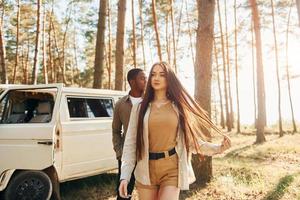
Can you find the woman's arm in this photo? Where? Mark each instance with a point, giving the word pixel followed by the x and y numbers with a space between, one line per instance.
pixel 129 148
pixel 210 149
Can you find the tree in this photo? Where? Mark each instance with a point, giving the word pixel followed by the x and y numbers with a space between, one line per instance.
pixel 173 35
pixel 253 74
pixel 100 45
pixel 261 116
pixel 236 70
pixel 45 69
pixel 37 41
pixel 228 123
pixel 277 71
pixel 156 29
pixel 298 9
pixel 50 61
pixel 190 32
pixel 142 32
pixel 17 42
pixel 133 35
pixel 287 70
pixel 3 77
pixel 167 38
pixel 203 73
pixel 219 86
pixel 120 45
pixel 55 68
pixel 109 45
pixel 64 40
pixel 228 68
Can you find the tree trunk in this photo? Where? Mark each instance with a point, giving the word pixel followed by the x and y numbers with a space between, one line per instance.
pixel 100 44
pixel 167 39
pixel 298 10
pixel 203 73
pixel 56 69
pixel 261 118
pixel 26 79
pixel 179 26
pixel 190 32
pixel 120 45
pixel 236 70
pixel 228 123
pixel 156 29
pixel 277 71
pixel 228 68
pixel 107 65
pixel 50 59
pixel 142 32
pixel 253 75
pixel 109 44
pixel 63 49
pixel 173 36
pixel 3 77
pixel 75 66
pixel 287 70
pixel 45 69
pixel 22 61
pixel 17 43
pixel 150 48
pixel 219 85
pixel 133 35
pixel 36 50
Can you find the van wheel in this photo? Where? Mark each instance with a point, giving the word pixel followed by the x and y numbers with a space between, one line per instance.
pixel 33 185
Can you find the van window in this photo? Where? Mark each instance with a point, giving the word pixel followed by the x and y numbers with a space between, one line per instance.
pixel 89 107
pixel 27 106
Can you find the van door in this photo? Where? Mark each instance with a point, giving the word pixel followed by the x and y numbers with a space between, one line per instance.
pixel 87 137
pixel 28 116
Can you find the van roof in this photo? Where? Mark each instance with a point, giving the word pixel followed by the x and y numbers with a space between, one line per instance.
pixel 4 86
pixel 65 89
pixel 92 91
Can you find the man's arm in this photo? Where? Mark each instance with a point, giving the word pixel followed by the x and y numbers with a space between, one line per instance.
pixel 117 132
pixel 129 151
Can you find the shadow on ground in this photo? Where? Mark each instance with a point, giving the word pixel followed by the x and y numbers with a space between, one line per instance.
pixel 96 187
pixel 281 187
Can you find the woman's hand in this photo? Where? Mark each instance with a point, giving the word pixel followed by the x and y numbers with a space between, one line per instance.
pixel 123 189
pixel 226 144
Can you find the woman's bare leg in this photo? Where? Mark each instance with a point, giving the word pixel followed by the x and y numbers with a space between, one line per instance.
pixel 168 193
pixel 147 194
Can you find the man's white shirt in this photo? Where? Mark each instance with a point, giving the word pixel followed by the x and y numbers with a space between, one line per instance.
pixel 135 100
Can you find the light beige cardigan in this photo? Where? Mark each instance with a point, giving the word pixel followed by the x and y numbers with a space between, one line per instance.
pixel 186 174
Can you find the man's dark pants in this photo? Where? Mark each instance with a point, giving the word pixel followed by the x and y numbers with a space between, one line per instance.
pixel 130 186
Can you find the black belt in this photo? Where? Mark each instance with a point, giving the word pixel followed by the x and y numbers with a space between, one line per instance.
pixel 156 156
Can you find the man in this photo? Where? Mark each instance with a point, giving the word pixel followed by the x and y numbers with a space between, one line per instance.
pixel 137 80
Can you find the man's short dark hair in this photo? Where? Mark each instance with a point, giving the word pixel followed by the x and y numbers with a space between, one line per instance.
pixel 132 74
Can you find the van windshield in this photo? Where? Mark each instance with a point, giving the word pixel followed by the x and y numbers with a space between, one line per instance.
pixel 27 106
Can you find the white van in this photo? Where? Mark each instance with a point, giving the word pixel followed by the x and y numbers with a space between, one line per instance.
pixel 51 134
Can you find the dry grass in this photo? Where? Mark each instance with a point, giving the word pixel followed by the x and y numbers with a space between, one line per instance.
pixel 270 171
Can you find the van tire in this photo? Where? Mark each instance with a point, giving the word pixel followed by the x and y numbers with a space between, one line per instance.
pixel 35 185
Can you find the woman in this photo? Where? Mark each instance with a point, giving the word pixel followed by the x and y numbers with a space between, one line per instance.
pixel 164 129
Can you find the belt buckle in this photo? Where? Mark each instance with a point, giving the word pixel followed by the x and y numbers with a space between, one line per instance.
pixel 166 154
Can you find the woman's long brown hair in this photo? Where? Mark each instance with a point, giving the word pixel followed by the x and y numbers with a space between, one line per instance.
pixel 192 118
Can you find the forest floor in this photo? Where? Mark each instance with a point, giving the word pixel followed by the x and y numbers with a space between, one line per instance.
pixel 270 171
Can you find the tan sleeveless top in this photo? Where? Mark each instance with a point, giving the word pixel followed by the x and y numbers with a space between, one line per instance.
pixel 163 122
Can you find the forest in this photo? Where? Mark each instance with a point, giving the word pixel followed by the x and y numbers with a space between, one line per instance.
pixel 239 59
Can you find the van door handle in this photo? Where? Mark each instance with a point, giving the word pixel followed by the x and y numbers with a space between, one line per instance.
pixel 46 142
